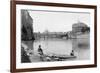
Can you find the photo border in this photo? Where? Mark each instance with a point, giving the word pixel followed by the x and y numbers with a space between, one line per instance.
pixel 13 35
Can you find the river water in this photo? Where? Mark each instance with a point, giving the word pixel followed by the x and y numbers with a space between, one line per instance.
pixel 64 47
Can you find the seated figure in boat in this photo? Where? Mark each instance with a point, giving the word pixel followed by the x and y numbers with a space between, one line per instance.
pixel 72 53
pixel 40 52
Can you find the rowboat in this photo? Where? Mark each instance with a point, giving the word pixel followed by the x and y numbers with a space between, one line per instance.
pixel 56 57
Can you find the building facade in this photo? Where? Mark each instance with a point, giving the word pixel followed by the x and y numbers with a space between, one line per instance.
pixel 80 28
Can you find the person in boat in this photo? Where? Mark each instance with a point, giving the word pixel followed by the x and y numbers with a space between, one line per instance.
pixel 40 52
pixel 72 53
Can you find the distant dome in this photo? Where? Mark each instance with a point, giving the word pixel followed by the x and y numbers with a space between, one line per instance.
pixel 79 24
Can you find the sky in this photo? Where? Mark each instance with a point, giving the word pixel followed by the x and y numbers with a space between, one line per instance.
pixel 56 21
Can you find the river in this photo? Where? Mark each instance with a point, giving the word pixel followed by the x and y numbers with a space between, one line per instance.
pixel 64 47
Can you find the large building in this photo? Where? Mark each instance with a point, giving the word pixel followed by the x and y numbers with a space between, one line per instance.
pixel 79 28
pixel 26 26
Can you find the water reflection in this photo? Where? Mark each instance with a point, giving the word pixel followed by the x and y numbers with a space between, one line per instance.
pixel 56 46
pixel 64 47
pixel 60 47
pixel 82 48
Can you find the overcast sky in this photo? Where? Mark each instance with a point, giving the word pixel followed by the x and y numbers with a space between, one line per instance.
pixel 57 21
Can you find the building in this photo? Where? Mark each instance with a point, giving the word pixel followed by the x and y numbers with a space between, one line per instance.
pixel 51 35
pixel 79 28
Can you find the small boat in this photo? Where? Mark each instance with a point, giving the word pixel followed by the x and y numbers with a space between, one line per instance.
pixel 55 57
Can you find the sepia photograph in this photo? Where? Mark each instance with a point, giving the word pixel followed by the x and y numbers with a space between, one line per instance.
pixel 49 36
